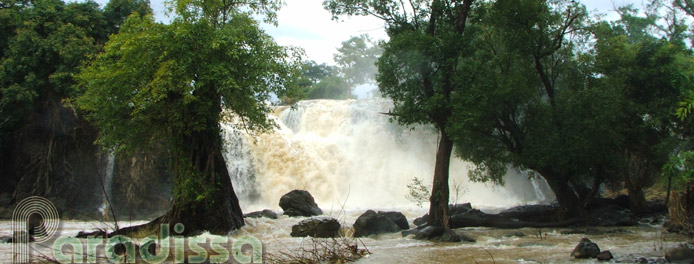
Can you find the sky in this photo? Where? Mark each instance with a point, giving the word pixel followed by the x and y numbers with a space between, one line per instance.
pixel 305 24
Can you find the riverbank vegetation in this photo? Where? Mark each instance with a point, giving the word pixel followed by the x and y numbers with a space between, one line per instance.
pixel 544 87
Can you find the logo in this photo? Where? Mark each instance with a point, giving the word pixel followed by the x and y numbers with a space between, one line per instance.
pixel 34 219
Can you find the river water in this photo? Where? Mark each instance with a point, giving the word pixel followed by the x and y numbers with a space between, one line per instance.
pixel 626 244
pixel 351 158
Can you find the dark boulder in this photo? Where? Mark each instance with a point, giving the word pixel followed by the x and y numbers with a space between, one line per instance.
pixel 438 234
pixel 316 227
pixel 264 213
pixel 372 223
pixel 299 203
pixel 398 218
pixel 420 221
pixel 586 249
pixel 453 209
pixel 683 253
pixel 605 255
pixel 613 215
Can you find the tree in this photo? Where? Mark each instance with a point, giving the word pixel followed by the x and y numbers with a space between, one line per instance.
pixel 321 81
pixel 169 86
pixel 42 45
pixel 357 60
pixel 650 73
pixel 116 11
pixel 418 71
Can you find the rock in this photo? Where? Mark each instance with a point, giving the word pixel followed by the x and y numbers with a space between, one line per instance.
pixel 681 253
pixel 372 223
pixel 299 203
pixel 605 255
pixel 514 234
pixel 95 234
pixel 437 234
pixel 428 233
pixel 420 221
pixel 264 213
pixel 613 215
pixel 448 236
pixel 316 227
pixel 6 239
pixel 576 231
pixel 453 209
pixel 21 237
pixel 586 249
pixel 398 218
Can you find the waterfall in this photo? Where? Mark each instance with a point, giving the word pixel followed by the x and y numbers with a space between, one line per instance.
pixel 107 181
pixel 347 153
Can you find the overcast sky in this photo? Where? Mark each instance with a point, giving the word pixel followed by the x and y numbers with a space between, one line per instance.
pixel 304 23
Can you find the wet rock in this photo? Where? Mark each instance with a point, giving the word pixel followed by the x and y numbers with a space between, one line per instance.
pixel 437 234
pixel 299 203
pixel 533 213
pixel 397 218
pixel 465 237
pixel 448 236
pixel 514 234
pixel 94 234
pixel 316 227
pixel 453 209
pixel 576 231
pixel 372 223
pixel 21 237
pixel 264 213
pixel 586 249
pixel 682 253
pixel 605 255
pixel 420 221
pixel 428 233
pixel 6 239
pixel 613 215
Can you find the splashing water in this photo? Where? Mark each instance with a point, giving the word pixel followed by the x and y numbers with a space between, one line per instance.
pixel 347 153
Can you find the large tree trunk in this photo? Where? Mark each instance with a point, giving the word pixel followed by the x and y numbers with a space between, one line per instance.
pixel 569 203
pixel 218 212
pixel 438 210
pixel 633 178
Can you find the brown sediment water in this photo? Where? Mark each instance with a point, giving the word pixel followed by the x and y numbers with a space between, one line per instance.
pixel 627 244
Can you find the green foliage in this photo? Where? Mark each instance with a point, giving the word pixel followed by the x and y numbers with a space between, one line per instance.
pixel 42 46
pixel 680 166
pixel 158 82
pixel 357 60
pixel 320 81
pixel 418 192
pixel 116 11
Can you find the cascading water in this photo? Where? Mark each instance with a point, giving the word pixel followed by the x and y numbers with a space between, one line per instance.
pixel 347 153
pixel 107 181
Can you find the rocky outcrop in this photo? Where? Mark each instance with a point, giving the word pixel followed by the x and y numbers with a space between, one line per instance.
pixel 605 256
pixel 299 203
pixel 264 213
pixel 453 209
pixel 586 249
pixel 683 253
pixel 372 223
pixel 316 227
pixel 612 215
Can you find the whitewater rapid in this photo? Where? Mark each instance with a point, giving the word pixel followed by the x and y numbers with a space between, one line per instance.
pixel 347 153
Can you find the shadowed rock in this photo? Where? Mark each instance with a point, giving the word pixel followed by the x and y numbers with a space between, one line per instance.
pixel 299 203
pixel 316 227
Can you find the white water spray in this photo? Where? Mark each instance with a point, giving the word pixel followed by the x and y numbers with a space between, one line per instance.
pixel 348 153
pixel 107 181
